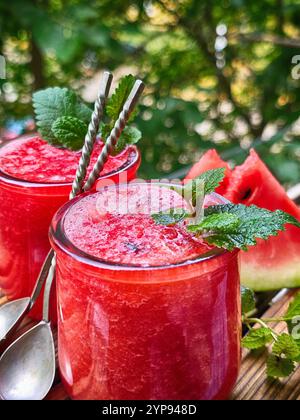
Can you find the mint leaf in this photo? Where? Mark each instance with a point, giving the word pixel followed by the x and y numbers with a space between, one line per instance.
pixel 292 318
pixel 257 338
pixel 278 367
pixel 216 223
pixel 212 179
pixel 248 300
pixel 116 102
pixel 70 132
pixel 169 218
pixel 83 112
pixel 202 185
pixel 53 103
pixel 130 135
pixel 254 223
pixel 293 309
pixel 286 346
pixel 50 104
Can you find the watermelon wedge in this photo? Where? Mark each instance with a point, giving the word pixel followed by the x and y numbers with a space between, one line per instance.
pixel 275 263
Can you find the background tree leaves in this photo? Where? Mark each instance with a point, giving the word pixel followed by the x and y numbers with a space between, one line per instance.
pixel 190 104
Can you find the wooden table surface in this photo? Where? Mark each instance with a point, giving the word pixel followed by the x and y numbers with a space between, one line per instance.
pixel 253 383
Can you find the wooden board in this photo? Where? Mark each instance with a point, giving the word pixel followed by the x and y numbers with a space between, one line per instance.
pixel 253 384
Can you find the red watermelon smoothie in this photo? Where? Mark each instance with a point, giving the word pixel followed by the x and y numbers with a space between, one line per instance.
pixel 35 180
pixel 145 311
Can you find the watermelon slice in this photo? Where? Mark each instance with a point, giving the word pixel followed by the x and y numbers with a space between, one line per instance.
pixel 275 263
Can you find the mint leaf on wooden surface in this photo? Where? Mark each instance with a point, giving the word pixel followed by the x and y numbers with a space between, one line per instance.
pixel 286 346
pixel 248 300
pixel 294 308
pixel 257 338
pixel 279 367
pixel 292 318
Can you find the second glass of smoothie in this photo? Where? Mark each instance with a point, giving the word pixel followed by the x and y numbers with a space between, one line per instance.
pixel 35 180
pixel 145 311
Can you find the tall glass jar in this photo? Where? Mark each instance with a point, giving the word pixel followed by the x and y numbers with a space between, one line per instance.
pixel 132 332
pixel 27 208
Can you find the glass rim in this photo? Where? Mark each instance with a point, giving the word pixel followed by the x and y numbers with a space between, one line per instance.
pixel 66 246
pixel 18 182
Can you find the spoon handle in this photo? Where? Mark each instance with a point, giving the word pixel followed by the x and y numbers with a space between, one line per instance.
pixel 41 279
pixel 49 281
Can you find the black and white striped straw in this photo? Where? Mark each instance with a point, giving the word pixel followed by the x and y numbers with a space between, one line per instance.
pixel 115 133
pixel 91 134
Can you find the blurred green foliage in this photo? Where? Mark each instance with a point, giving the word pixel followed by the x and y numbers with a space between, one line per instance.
pixel 231 93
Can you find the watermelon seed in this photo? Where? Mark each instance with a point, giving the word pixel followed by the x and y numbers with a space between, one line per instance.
pixel 247 194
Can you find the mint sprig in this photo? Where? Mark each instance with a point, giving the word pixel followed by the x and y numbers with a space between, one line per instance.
pixel 62 118
pixel 284 349
pixel 239 226
pixel 226 226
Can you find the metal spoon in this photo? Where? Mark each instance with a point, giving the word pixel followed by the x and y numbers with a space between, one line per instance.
pixel 27 367
pixel 12 313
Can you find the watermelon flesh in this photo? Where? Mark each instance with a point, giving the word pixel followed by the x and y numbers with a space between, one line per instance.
pixel 275 263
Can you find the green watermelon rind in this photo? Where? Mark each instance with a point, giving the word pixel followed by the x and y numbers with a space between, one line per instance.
pixel 262 280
